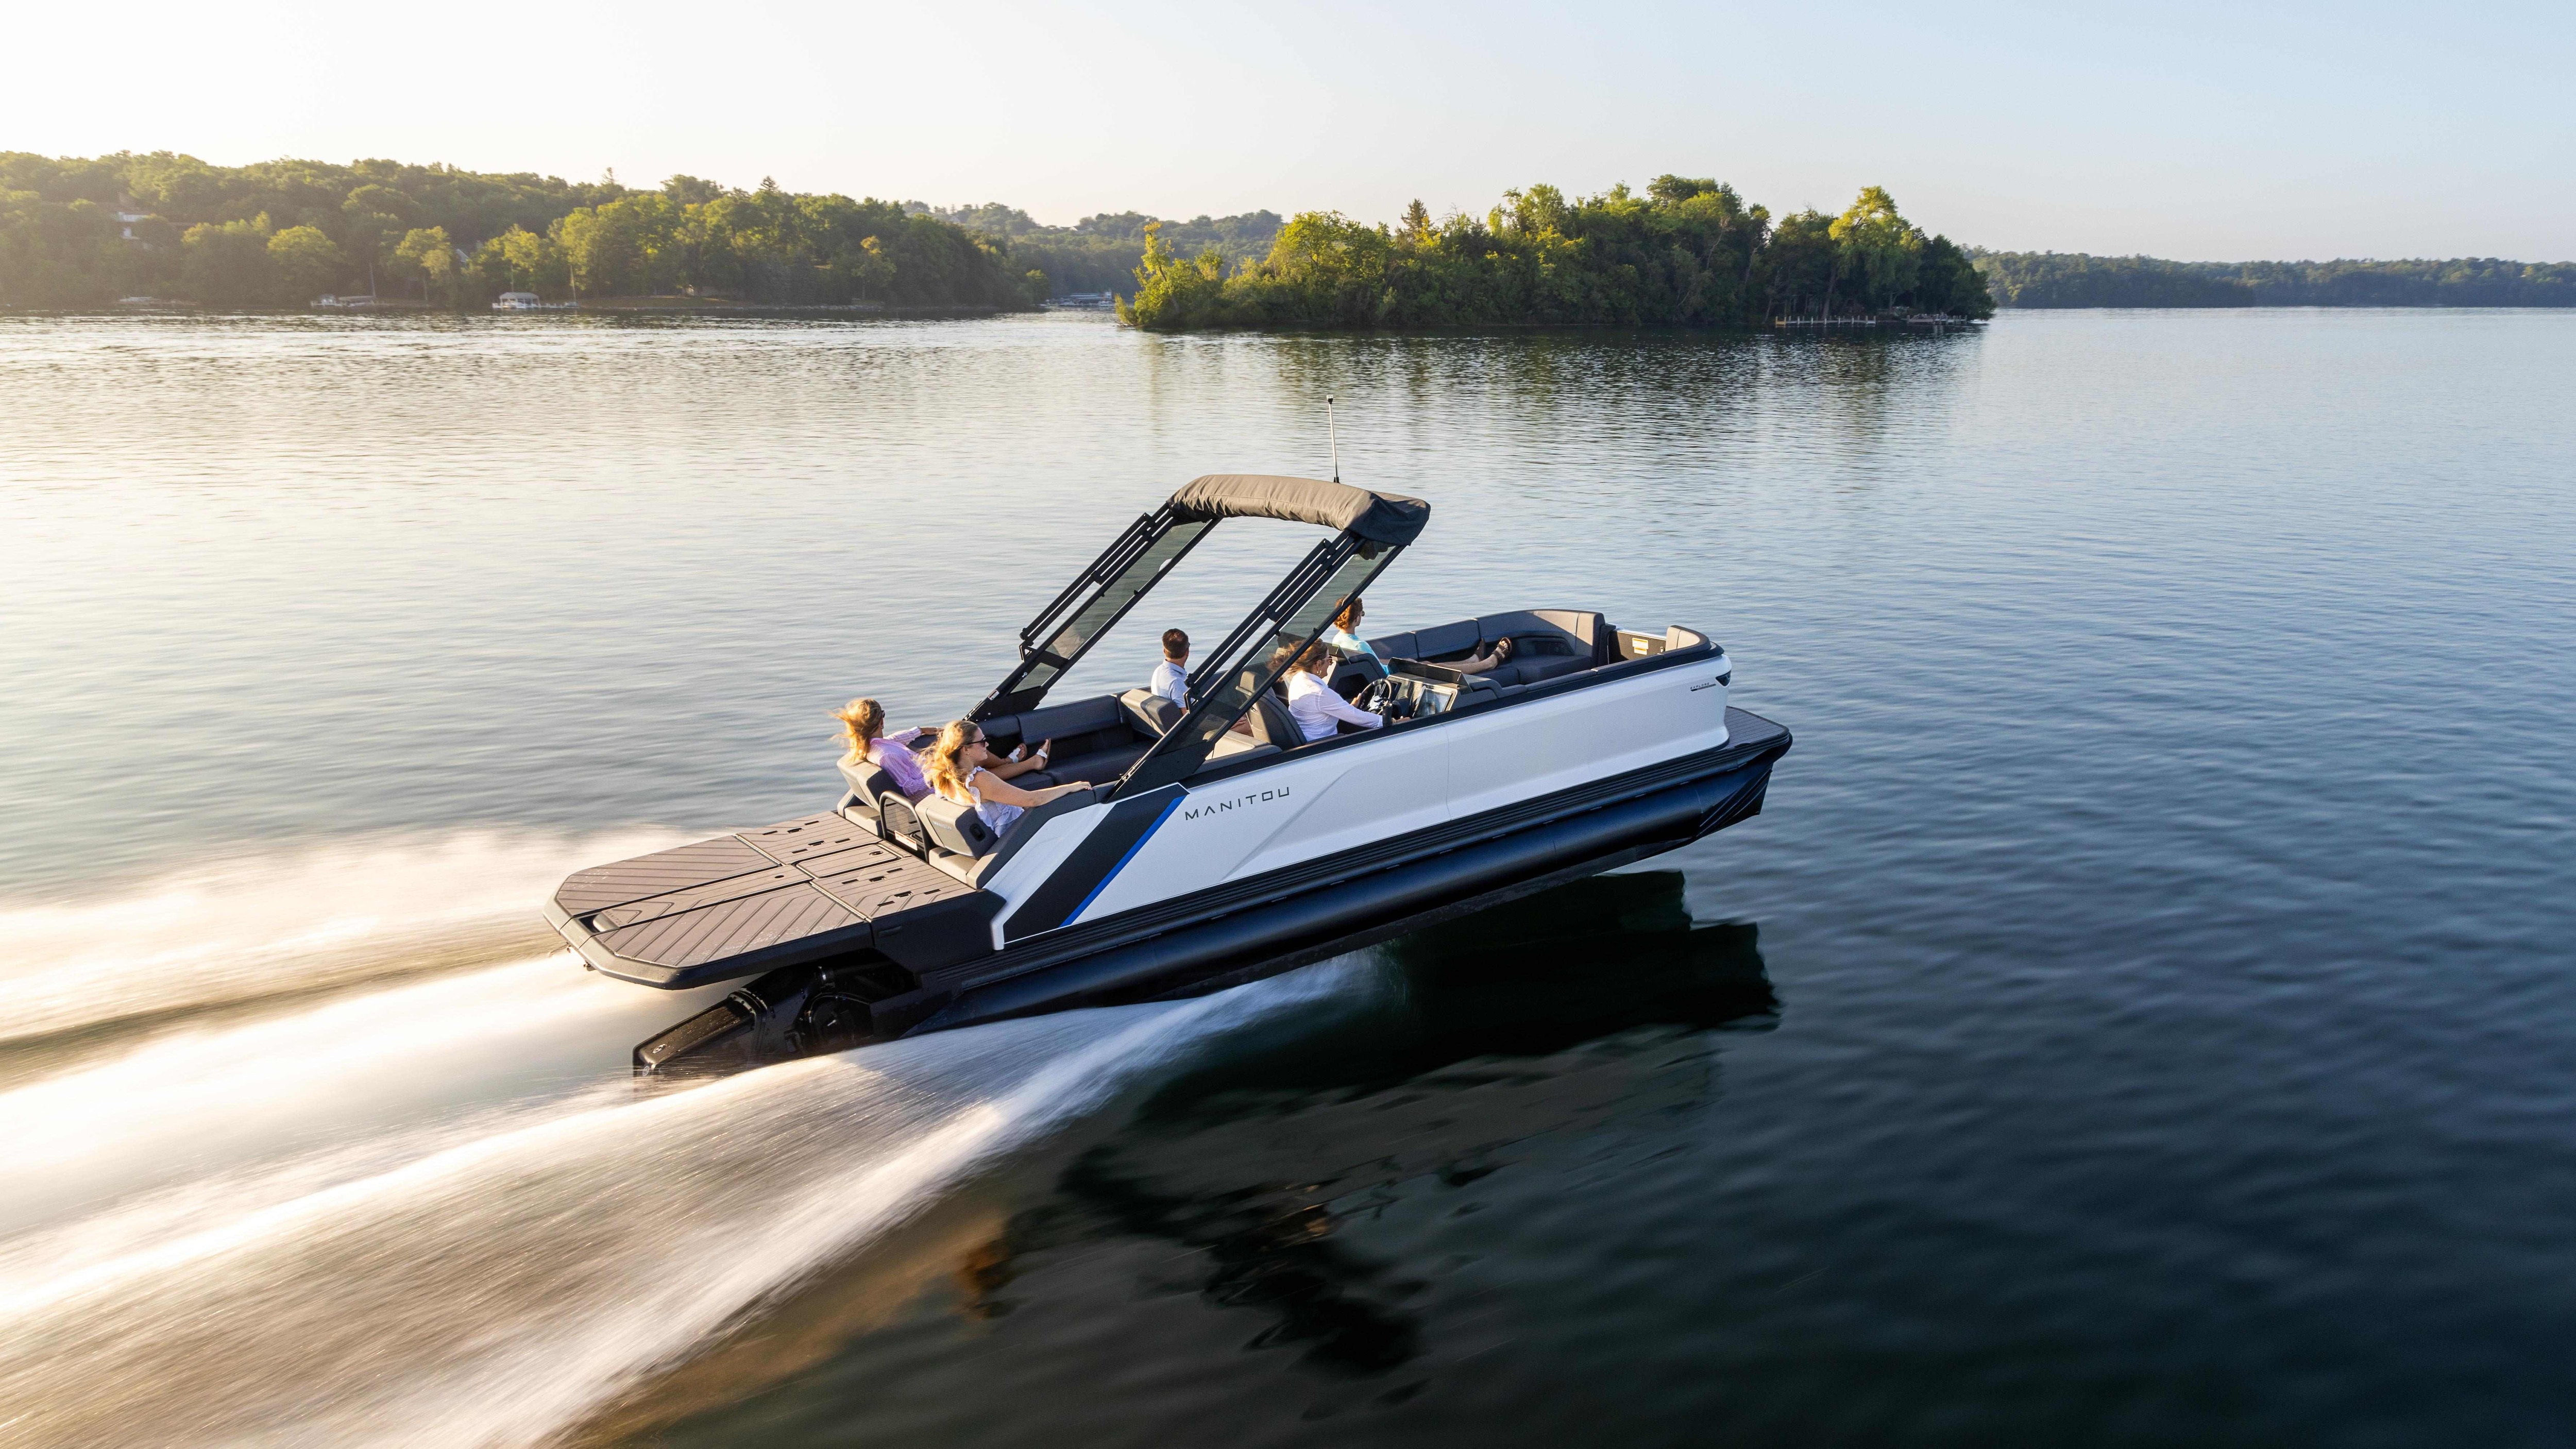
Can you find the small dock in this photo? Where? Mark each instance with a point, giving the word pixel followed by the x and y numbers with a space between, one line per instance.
pixel 1934 321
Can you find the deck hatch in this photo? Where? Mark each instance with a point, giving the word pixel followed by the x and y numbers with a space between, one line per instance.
pixel 662 872
pixel 814 835
pixel 635 913
pixel 732 928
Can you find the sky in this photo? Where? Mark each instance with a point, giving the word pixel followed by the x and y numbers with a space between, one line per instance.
pixel 2199 132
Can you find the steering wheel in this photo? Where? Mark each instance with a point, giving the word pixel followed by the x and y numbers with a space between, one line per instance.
pixel 1382 698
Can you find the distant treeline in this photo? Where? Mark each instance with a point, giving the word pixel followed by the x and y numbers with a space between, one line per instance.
pixel 78 233
pixel 1101 253
pixel 1689 252
pixel 2072 279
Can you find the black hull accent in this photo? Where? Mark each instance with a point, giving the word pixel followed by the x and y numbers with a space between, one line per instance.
pixel 1281 934
pixel 1244 931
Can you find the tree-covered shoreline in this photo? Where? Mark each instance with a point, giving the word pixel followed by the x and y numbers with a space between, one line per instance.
pixel 1100 253
pixel 1689 252
pixel 2074 279
pixel 85 232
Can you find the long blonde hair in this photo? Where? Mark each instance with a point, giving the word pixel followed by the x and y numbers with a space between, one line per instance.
pixel 942 765
pixel 862 721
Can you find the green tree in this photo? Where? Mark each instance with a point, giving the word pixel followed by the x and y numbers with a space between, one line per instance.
pixel 367 233
pixel 306 262
pixel 1172 293
pixel 1800 264
pixel 228 265
pixel 1416 230
pixel 57 252
pixel 426 254
pixel 1949 282
pixel 1876 249
pixel 592 258
pixel 530 257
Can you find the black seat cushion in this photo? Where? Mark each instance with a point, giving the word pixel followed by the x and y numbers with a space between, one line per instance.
pixel 1097 766
pixel 1272 724
pixel 955 827
pixel 1531 671
pixel 1150 713
pixel 869 782
pixel 1058 721
pixel 1448 639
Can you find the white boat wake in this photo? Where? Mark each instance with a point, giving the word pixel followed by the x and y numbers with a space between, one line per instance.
pixel 248 930
pixel 435 1213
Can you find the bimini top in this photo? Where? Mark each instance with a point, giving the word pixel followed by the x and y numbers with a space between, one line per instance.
pixel 1388 518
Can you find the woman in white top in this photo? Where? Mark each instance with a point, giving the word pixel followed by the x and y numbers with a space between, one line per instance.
pixel 1312 702
pixel 962 769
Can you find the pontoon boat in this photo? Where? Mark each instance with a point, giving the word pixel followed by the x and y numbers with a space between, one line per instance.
pixel 1217 845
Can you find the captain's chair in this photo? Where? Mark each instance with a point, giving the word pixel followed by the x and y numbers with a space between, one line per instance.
pixel 1272 724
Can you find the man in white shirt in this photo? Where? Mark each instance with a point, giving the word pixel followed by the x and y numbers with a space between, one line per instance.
pixel 1172 676
pixel 1312 703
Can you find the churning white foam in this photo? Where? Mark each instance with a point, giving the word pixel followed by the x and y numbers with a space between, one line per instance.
pixel 255 928
pixel 427 1207
pixel 522 1270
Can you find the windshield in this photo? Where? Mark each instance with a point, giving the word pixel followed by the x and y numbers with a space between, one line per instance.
pixel 1258 653
pixel 1043 663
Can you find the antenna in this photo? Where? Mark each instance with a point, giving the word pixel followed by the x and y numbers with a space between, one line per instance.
pixel 1334 439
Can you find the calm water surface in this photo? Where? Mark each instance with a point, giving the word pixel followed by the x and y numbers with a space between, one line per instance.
pixel 2142 1015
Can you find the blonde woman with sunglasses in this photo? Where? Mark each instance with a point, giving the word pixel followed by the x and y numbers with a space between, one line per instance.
pixel 963 769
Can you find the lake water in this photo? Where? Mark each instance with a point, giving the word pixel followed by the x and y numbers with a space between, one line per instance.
pixel 2142 1015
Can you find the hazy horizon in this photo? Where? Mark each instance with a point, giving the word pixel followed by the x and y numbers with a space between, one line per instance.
pixel 2198 134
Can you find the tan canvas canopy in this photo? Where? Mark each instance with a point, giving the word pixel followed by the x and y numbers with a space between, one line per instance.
pixel 1388 518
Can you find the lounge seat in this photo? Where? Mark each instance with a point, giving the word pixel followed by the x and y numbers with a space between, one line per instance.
pixel 1546 643
pixel 955 828
pixel 1584 634
pixel 1098 766
pixel 1531 668
pixel 865 780
pixel 1076 728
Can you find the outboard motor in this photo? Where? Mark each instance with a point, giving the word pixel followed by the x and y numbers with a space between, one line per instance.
pixel 794 1011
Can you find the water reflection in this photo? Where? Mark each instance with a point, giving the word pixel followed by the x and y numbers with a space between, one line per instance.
pixel 1575 1007
pixel 1558 1011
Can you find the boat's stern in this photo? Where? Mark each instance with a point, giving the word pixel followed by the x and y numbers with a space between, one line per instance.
pixel 814 889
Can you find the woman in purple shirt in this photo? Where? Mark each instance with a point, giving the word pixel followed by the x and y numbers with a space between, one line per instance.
pixel 863 732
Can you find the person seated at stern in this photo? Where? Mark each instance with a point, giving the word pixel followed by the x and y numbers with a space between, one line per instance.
pixel 963 769
pixel 863 731
pixel 1317 709
pixel 1172 676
